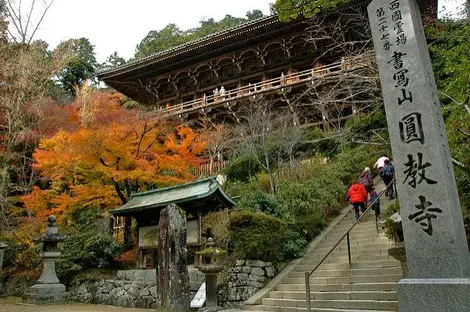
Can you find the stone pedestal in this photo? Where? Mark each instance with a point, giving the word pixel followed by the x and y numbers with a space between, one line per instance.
pixel 49 275
pixel 434 294
pixel 48 288
pixel 46 293
pixel 210 272
pixel 211 290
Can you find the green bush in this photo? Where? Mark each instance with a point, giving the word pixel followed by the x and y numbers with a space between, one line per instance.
pixel 294 244
pixel 86 247
pixel 242 168
pixel 259 200
pixel 314 142
pixel 390 227
pixel 256 236
pixel 85 250
pixel 20 254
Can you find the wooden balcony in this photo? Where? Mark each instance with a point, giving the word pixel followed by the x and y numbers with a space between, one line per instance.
pixel 206 103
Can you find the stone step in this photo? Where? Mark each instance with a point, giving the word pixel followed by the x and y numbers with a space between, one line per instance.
pixel 317 280
pixel 355 265
pixel 343 258
pixel 376 271
pixel 337 295
pixel 369 285
pixel 376 264
pixel 296 309
pixel 345 279
pixel 367 247
pixel 354 236
pixel 348 272
pixel 341 304
pixel 376 278
pixel 366 229
pixel 388 286
pixel 361 242
pixel 344 253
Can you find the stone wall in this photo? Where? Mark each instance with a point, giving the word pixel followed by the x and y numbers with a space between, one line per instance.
pixel 137 288
pixel 132 289
pixel 247 277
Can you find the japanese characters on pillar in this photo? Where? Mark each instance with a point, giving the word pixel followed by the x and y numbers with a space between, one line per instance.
pixel 411 131
pixel 425 179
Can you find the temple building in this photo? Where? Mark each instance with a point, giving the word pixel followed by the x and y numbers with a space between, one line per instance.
pixel 323 65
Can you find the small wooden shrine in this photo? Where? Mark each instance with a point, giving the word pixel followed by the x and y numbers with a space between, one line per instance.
pixel 195 198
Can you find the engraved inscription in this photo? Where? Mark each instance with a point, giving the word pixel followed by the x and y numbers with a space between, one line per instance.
pixel 416 169
pixel 411 128
pixel 425 214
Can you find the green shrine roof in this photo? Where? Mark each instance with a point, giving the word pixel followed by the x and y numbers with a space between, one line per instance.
pixel 205 194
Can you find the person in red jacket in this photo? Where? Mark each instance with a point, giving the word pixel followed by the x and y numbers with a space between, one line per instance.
pixel 357 195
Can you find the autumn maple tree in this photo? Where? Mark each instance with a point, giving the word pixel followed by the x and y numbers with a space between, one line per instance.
pixel 110 155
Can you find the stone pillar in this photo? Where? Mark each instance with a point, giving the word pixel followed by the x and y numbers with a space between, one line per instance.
pixel 3 246
pixel 211 289
pixel 437 253
pixel 173 278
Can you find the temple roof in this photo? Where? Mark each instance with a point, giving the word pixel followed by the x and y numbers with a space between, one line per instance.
pixel 206 194
pixel 232 38
pixel 243 35
pixel 124 78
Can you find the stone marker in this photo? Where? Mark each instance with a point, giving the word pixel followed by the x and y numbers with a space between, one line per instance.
pixel 199 298
pixel 436 247
pixel 173 279
pixel 48 288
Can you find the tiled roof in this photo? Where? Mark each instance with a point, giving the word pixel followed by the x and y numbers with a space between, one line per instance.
pixel 197 42
pixel 179 194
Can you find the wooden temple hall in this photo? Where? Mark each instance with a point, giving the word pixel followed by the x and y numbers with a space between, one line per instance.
pixel 280 60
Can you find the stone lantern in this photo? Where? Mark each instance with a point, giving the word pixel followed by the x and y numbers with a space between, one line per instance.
pixel 48 289
pixel 209 263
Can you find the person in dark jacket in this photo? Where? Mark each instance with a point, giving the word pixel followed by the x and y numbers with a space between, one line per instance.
pixel 367 180
pixel 357 195
pixel 387 174
pixel 375 201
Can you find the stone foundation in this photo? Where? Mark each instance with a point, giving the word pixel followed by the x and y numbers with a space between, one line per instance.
pixel 137 288
pixel 132 289
pixel 247 278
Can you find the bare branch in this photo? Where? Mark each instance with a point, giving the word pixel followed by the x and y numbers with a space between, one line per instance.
pixel 40 21
pixel 459 164
pixel 464 132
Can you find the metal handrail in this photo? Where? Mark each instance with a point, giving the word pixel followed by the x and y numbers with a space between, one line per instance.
pixel 308 274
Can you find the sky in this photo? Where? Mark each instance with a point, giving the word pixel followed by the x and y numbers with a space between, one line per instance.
pixel 119 25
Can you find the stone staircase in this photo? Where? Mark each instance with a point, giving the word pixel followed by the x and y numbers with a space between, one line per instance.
pixel 368 286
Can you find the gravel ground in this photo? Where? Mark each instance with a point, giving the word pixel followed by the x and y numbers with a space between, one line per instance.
pixel 7 307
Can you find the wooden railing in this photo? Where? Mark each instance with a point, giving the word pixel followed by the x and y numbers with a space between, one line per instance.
pixel 211 169
pixel 207 102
